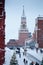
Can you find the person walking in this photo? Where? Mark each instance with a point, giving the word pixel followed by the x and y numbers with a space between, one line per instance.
pixel 24 60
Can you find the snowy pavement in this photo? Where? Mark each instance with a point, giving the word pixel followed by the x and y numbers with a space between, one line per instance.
pixel 32 58
pixel 9 53
pixel 31 55
pixel 20 59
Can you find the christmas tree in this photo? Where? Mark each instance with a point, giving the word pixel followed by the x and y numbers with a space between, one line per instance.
pixel 42 62
pixel 13 60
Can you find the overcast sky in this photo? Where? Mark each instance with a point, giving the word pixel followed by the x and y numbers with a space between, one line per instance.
pixel 14 8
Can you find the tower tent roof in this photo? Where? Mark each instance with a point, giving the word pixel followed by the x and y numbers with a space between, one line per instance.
pixel 23 14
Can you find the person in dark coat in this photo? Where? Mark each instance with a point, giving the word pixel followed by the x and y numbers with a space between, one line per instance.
pixel 20 55
pixel 24 60
pixel 36 63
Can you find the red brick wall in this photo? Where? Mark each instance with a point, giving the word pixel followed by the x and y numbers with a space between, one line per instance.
pixel 40 33
pixel 39 24
pixel 2 31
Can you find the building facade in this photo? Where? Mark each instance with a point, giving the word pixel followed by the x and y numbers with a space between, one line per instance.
pixel 2 31
pixel 38 35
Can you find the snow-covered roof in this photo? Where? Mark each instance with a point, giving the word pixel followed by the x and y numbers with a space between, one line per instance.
pixel 38 55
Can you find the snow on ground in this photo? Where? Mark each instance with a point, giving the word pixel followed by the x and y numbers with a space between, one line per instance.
pixel 33 52
pixel 20 59
pixel 8 55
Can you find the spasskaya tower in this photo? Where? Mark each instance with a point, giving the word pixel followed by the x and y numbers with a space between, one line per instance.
pixel 23 32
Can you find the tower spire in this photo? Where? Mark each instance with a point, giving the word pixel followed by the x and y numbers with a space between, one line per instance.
pixel 23 11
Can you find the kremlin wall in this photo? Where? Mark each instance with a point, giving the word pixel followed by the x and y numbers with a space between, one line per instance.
pixel 2 32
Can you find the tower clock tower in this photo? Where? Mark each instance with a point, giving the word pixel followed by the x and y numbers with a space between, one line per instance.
pixel 2 31
pixel 23 32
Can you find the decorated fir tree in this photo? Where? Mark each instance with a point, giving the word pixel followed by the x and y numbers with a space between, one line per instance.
pixel 42 62
pixel 13 60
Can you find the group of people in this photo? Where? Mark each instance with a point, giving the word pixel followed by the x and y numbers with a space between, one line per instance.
pixel 32 63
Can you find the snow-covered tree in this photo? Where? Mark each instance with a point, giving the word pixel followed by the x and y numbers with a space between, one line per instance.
pixel 42 62
pixel 13 60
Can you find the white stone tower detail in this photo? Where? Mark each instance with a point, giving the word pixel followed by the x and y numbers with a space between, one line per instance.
pixel 23 28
